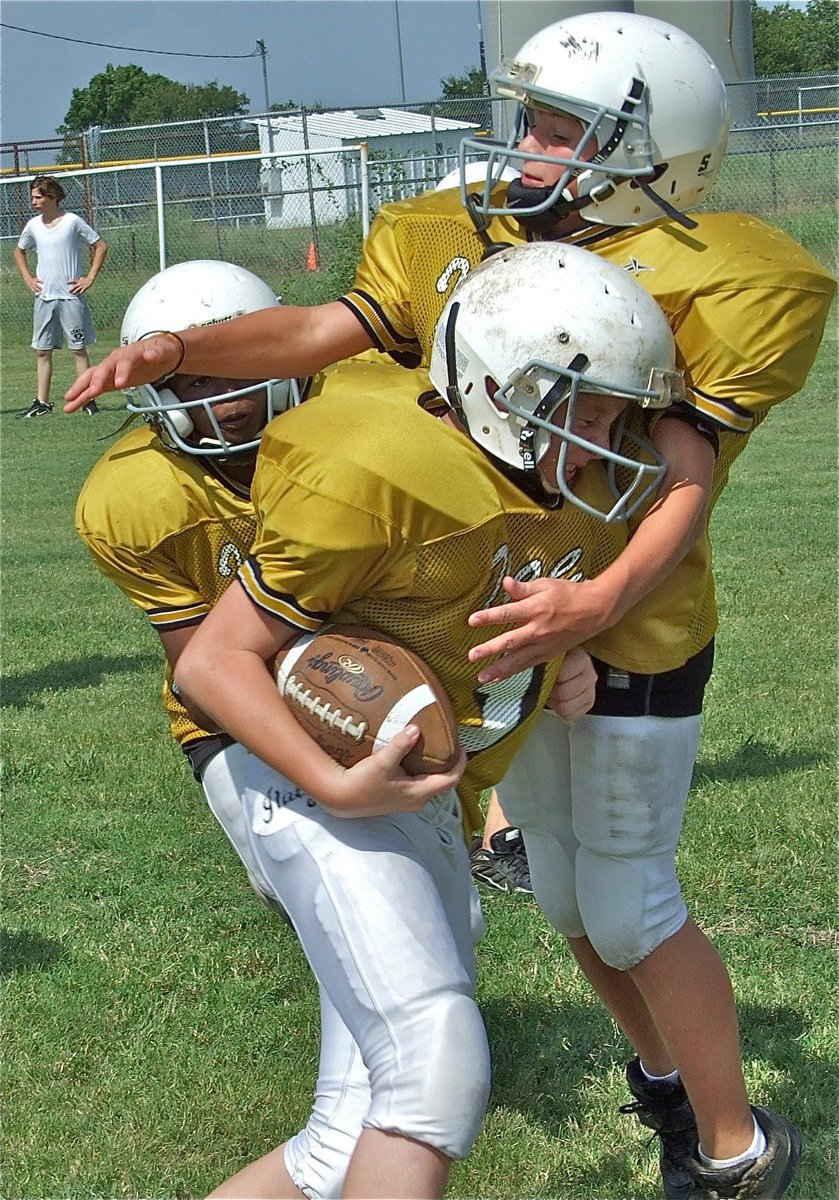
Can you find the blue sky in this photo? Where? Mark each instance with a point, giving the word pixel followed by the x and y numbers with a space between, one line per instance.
pixel 340 52
pixel 337 52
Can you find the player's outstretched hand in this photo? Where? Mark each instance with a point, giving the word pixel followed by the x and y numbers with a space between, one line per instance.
pixel 573 693
pixel 377 785
pixel 550 616
pixel 138 362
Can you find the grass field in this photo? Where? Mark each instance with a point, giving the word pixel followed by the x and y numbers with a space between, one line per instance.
pixel 161 1027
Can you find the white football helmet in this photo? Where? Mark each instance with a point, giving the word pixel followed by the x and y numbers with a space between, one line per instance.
pixel 650 96
pixel 525 333
pixel 187 295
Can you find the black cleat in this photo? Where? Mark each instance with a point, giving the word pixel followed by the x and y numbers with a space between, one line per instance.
pixel 763 1178
pixel 504 867
pixel 38 408
pixel 665 1108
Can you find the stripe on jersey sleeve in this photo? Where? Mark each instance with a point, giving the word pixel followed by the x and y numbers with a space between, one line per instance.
pixel 406 350
pixel 724 412
pixel 167 619
pixel 277 604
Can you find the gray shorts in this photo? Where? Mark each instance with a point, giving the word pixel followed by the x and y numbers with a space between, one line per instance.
pixel 54 317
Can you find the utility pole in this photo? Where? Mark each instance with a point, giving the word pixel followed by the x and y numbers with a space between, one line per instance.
pixel 481 50
pixel 260 45
pixel 399 45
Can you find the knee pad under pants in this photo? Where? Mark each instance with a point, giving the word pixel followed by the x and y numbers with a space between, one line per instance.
pixel 318 1156
pixel 382 909
pixel 613 820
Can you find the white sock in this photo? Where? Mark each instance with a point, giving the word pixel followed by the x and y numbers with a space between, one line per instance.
pixel 754 1151
pixel 673 1077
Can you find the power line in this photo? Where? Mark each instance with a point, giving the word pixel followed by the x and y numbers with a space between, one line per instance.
pixel 131 49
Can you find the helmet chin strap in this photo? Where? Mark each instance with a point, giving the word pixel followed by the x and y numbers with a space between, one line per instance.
pixel 209 443
pixel 673 213
pixel 529 482
pixel 129 420
pixel 529 477
pixel 542 223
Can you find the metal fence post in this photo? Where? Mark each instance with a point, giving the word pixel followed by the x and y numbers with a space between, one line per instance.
pixel 310 186
pixel 161 225
pixel 213 209
pixel 364 169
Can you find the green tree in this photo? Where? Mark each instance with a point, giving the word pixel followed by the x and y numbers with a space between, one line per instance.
pixel 460 87
pixel 456 90
pixel 794 41
pixel 130 96
pixel 822 36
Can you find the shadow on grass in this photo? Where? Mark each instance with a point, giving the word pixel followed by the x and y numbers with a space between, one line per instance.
pixel 545 1057
pixel 541 1054
pixel 756 759
pixel 21 691
pixel 27 952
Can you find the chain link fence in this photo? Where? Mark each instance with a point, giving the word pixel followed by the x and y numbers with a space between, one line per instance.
pixel 289 195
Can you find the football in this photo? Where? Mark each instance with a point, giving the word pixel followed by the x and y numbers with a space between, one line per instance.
pixel 353 689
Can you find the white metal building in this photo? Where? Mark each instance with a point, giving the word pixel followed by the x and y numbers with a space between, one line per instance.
pixel 415 151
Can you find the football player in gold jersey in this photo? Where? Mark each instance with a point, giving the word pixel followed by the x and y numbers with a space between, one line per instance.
pixel 378 513
pixel 166 512
pixel 637 112
pixel 168 517
pixel 748 308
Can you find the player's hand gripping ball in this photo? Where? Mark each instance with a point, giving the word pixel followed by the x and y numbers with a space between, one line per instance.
pixel 353 689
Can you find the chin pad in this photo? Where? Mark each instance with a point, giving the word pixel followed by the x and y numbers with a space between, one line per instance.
pixel 179 419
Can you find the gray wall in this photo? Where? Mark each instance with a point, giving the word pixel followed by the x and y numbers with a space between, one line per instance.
pixel 723 27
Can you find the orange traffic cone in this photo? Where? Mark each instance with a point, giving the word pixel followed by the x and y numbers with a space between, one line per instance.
pixel 312 260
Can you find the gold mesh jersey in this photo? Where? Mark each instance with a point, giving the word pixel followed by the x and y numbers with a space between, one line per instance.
pixel 413 257
pixel 747 307
pixel 169 534
pixel 385 516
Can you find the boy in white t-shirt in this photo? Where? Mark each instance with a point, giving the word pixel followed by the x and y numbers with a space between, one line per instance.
pixel 61 309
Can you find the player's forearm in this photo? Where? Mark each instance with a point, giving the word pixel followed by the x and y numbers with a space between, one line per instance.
pixel 655 549
pixel 283 342
pixel 235 690
pixel 255 346
pixel 672 525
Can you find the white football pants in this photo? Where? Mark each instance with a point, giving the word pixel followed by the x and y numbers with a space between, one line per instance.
pixel 383 907
pixel 600 803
